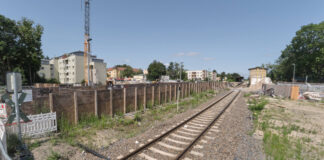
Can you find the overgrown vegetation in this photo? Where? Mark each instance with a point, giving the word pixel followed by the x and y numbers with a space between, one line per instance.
pixel 12 144
pixel 277 140
pixel 54 156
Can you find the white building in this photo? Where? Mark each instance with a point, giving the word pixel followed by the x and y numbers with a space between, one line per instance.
pixel 197 75
pixel 47 69
pixel 69 69
pixel 139 78
pixel 98 71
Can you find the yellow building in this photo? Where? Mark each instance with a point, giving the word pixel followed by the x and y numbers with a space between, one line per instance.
pixel 258 75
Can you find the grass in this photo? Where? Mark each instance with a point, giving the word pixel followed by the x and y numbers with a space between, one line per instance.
pixel 54 156
pixel 12 144
pixel 278 144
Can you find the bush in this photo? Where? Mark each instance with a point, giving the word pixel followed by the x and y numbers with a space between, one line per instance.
pixel 12 144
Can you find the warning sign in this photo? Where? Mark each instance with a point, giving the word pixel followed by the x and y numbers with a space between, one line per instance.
pixel 3 110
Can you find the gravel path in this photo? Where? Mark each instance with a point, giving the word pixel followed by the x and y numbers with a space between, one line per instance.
pixel 233 140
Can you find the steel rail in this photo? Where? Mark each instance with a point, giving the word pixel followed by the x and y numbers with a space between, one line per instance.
pixel 173 129
pixel 206 129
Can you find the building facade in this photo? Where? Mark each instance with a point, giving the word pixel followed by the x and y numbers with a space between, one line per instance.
pixel 258 75
pixel 69 69
pixel 98 71
pixel 47 69
pixel 197 75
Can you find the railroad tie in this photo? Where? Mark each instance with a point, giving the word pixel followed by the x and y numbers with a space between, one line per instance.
pixel 145 156
pixel 162 152
pixel 196 153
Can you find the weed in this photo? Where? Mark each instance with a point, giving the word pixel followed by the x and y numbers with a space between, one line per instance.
pixel 247 94
pixel 276 146
pixel 257 105
pixel 54 156
pixel 12 144
pixel 33 145
pixel 137 117
pixel 306 139
pixel 294 127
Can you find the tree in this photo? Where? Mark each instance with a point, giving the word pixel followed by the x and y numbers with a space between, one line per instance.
pixel 156 70
pixel 20 48
pixel 306 50
pixel 127 72
pixel 222 76
pixel 174 71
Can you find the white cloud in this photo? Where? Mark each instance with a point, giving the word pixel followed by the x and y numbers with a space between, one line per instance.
pixel 192 53
pixel 181 54
pixel 208 58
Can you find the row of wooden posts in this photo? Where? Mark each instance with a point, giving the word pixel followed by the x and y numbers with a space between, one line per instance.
pixel 186 89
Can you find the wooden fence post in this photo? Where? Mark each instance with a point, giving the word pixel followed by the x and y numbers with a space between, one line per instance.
pixel 124 100
pixel 159 94
pixel 96 103
pixel 111 103
pixel 135 101
pixel 76 109
pixel 51 102
pixel 153 96
pixel 144 101
pixel 166 94
pixel 175 92
pixel 170 96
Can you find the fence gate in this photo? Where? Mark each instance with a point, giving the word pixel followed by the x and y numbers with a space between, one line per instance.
pixel 40 124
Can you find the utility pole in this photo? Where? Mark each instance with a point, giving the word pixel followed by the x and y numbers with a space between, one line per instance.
pixel 294 73
pixel 15 86
pixel 179 88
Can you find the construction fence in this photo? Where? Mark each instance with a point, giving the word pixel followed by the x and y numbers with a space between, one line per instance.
pixel 75 103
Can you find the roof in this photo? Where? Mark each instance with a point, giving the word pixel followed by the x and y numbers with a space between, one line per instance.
pixel 258 68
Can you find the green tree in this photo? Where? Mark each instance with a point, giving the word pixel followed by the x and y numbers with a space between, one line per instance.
pixel 222 76
pixel 306 50
pixel 173 71
pixel 156 70
pixel 128 72
pixel 20 48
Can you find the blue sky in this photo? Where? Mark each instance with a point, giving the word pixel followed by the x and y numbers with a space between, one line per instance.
pixel 226 35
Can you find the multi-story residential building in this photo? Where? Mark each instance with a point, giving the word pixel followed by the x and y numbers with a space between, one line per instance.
pixel 197 75
pixel 47 69
pixel 98 71
pixel 54 63
pixel 71 69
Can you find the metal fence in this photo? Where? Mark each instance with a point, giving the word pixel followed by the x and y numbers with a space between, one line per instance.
pixel 40 124
pixel 306 87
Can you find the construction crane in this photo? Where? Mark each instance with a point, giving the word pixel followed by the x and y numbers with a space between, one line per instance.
pixel 87 40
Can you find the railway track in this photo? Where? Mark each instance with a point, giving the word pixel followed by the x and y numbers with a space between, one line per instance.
pixel 181 141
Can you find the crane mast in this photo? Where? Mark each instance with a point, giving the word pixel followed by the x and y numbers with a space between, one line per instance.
pixel 87 40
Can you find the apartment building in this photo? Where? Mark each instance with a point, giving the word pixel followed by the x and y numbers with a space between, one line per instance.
pixel 46 70
pixel 98 71
pixel 197 75
pixel 69 69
